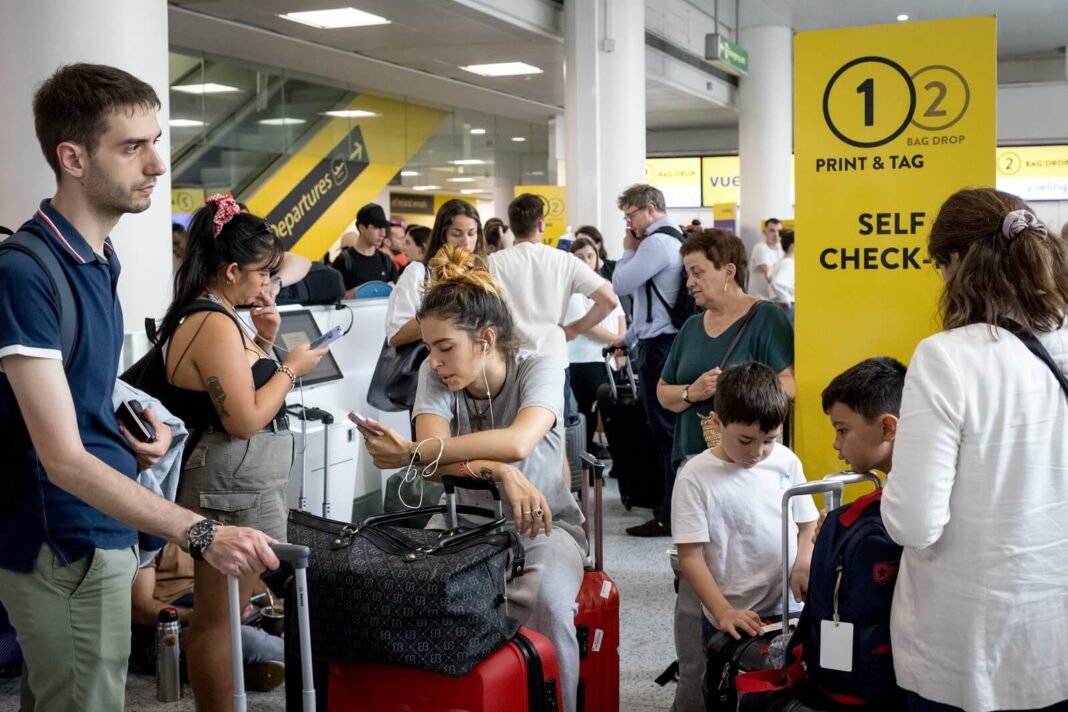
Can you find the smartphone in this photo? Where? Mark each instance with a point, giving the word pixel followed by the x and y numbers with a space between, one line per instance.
pixel 327 338
pixel 132 416
pixel 363 423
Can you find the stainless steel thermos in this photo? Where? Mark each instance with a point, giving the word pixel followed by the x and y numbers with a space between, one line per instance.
pixel 168 648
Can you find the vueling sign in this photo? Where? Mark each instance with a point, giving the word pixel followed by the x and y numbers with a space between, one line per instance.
pixel 319 189
pixel 313 196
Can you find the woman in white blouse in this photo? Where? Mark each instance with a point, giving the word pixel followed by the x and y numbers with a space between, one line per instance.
pixel 978 495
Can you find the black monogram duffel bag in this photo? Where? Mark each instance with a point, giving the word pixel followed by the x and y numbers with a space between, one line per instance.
pixel 425 598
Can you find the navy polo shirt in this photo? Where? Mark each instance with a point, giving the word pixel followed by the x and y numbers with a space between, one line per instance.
pixel 33 511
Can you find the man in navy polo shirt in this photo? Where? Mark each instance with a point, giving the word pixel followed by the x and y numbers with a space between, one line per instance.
pixel 69 502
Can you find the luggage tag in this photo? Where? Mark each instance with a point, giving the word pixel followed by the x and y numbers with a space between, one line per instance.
pixel 836 646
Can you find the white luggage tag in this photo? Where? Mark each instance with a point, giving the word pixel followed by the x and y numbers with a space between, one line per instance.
pixel 836 646
pixel 836 637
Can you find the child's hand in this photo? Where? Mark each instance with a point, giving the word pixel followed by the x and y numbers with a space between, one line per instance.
pixel 799 582
pixel 735 622
pixel 819 525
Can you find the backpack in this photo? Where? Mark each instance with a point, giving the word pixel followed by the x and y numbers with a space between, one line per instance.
pixel 684 306
pixel 322 285
pixel 149 373
pixel 854 569
pixel 34 246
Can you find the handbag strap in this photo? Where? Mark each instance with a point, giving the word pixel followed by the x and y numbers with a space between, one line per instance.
pixel 1035 346
pixel 741 331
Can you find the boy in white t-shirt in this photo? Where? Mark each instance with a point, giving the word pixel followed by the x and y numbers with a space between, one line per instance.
pixel 726 516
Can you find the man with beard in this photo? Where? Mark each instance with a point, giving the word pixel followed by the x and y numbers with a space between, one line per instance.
pixel 364 261
pixel 71 506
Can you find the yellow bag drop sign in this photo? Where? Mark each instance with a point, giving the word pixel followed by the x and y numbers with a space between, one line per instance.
pixel 889 122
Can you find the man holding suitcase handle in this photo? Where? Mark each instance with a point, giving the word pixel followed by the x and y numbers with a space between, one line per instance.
pixel 72 505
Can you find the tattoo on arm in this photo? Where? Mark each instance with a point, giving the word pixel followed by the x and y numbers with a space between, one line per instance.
pixel 485 473
pixel 218 396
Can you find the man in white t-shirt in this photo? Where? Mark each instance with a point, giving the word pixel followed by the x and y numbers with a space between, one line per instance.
pixel 539 280
pixel 763 257
pixel 782 276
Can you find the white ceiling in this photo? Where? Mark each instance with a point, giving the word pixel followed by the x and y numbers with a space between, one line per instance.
pixel 431 39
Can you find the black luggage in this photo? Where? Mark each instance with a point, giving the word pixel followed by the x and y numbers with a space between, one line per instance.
pixel 630 441
pixel 726 657
pixel 322 285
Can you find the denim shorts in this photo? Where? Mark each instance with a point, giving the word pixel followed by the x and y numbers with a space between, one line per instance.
pixel 240 482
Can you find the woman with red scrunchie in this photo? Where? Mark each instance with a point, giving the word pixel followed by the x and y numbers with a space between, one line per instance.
pixel 231 393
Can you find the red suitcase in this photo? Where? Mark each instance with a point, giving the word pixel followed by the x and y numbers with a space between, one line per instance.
pixel 523 675
pixel 597 622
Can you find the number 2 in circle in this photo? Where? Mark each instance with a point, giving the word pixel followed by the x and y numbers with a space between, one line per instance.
pixel 933 109
pixel 867 88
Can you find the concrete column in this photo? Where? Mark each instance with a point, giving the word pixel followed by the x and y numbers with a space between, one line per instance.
pixel 604 105
pixel 38 37
pixel 765 128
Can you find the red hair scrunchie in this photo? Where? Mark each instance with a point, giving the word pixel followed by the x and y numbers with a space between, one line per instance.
pixel 225 210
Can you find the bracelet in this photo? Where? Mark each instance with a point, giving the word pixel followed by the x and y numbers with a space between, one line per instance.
pixel 289 372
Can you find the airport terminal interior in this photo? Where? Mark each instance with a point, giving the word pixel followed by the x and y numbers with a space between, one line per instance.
pixel 363 134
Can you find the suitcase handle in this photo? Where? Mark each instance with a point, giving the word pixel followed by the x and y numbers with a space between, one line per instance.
pixel 612 374
pixel 454 482
pixel 298 556
pixel 831 501
pixel 596 480
pixel 295 554
pixel 808 488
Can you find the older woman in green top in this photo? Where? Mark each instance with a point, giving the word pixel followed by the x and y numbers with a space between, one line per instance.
pixel 715 264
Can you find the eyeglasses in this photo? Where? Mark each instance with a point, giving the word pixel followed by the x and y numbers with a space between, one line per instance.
pixel 630 216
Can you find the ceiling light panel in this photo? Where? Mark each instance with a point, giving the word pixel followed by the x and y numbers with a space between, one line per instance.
pixel 209 88
pixel 336 18
pixel 350 113
pixel 282 121
pixel 502 69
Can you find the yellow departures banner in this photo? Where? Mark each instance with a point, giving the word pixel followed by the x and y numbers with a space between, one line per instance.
pixel 889 121
pixel 316 193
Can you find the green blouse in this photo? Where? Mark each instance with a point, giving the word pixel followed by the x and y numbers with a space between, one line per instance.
pixel 769 339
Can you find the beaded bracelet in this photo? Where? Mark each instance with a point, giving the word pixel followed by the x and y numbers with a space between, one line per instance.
pixel 289 372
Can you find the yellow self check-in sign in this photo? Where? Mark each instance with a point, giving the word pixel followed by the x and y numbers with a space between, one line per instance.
pixel 889 121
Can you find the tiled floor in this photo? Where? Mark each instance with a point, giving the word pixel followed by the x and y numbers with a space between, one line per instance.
pixel 640 569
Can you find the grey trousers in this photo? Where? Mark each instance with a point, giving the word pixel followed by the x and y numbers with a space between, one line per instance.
pixel 543 598
pixel 688 647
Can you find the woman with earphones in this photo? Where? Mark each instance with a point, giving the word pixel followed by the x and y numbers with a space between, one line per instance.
pixel 224 384
pixel 484 409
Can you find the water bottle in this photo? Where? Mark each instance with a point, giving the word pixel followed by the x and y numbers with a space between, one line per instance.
pixel 168 647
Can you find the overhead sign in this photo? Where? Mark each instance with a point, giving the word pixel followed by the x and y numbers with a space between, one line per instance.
pixel 186 200
pixel 726 55
pixel 722 180
pixel 411 203
pixel 313 197
pixel 889 122
pixel 1034 172
pixel 679 179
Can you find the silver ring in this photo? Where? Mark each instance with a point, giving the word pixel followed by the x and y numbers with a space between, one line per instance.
pixel 537 513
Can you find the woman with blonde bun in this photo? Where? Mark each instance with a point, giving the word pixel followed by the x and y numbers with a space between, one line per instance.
pixel 484 409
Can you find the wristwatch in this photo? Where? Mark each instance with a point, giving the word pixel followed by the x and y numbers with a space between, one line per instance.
pixel 686 394
pixel 200 536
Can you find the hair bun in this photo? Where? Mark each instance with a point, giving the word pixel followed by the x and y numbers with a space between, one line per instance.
pixel 455 265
